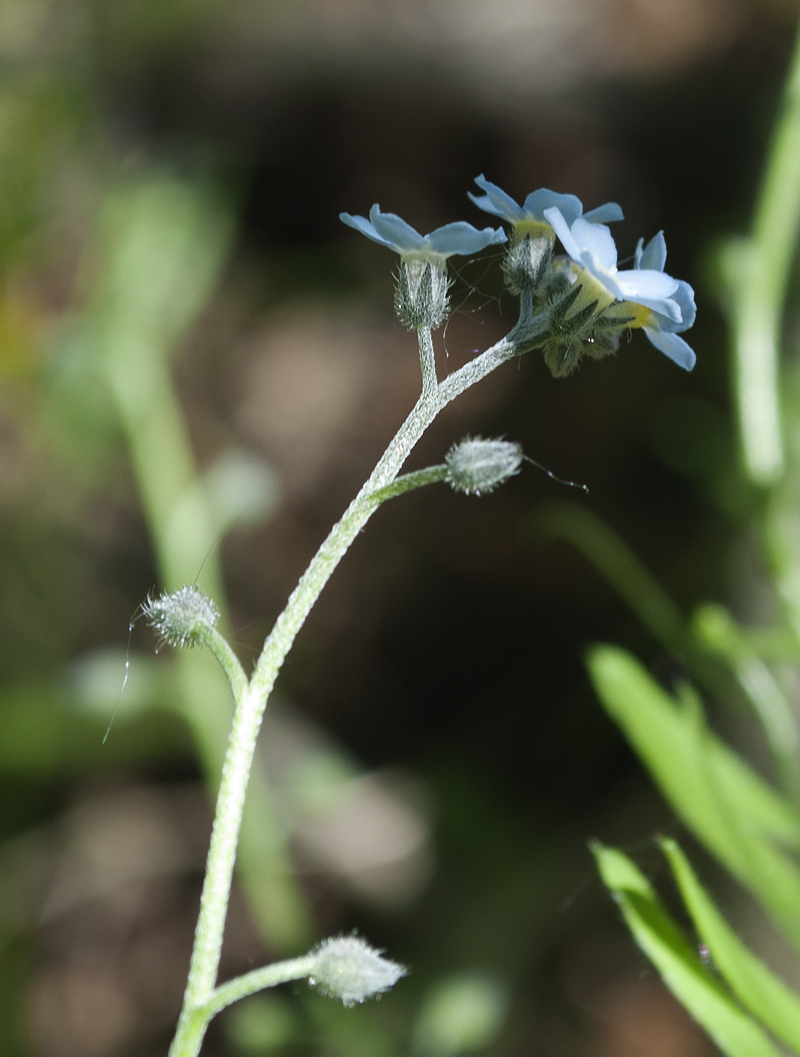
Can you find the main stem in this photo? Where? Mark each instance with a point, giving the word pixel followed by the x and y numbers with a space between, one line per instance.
pixel 198 1007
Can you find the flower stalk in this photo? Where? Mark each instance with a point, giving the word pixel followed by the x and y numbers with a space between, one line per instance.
pixel 347 968
pixel 252 696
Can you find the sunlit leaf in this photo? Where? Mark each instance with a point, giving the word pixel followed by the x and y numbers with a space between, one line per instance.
pixel 756 986
pixel 692 983
pixel 736 814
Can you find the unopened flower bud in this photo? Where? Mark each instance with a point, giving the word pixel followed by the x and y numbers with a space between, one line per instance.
pixel 476 465
pixel 528 256
pixel 420 297
pixel 347 968
pixel 179 618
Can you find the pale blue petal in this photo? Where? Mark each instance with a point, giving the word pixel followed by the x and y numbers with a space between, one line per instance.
pixel 643 285
pixel 485 203
pixel 605 278
pixel 597 240
pixel 559 225
pixel 673 346
pixel 397 234
pixel 684 295
pixel 654 255
pixel 666 310
pixel 604 214
pixel 461 237
pixel 363 225
pixel 568 206
pixel 496 201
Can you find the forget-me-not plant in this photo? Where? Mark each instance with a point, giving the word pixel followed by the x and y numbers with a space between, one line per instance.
pixel 569 307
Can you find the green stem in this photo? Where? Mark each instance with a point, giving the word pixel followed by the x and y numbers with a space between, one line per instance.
pixel 250 706
pixel 365 504
pixel 163 462
pixel 184 542
pixel 219 874
pixel 227 659
pixel 260 980
pixel 409 481
pixel 758 273
pixel 427 359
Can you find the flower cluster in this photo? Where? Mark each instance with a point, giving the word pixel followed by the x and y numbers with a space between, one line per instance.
pixel 643 296
pixel 532 236
pixel 588 302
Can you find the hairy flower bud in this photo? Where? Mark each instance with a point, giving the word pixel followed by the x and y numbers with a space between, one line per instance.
pixel 178 618
pixel 347 968
pixel 476 465
pixel 420 297
pixel 528 257
pixel 585 320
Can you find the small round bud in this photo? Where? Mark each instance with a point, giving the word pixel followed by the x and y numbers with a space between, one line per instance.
pixel 347 968
pixel 420 297
pixel 476 465
pixel 178 618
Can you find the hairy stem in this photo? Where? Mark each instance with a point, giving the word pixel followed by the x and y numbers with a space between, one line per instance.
pixel 427 359
pixel 251 702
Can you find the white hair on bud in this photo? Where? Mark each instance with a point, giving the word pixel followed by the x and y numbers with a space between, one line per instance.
pixel 347 968
pixel 475 465
pixel 178 617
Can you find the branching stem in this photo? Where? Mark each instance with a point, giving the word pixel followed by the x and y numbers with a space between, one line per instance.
pixel 251 696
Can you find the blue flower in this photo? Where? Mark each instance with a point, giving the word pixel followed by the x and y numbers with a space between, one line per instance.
pixel 660 329
pixel 497 202
pixel 390 230
pixel 660 304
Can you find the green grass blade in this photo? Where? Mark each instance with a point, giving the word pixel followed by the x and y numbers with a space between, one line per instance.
pixel 702 994
pixel 729 808
pixel 756 986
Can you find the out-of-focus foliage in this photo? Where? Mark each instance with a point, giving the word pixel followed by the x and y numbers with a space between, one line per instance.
pixel 748 824
pixel 170 176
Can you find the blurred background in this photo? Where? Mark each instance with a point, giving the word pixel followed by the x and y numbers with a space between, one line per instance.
pixel 435 758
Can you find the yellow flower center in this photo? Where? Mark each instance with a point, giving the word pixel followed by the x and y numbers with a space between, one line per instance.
pixel 642 316
pixel 591 290
pixel 537 229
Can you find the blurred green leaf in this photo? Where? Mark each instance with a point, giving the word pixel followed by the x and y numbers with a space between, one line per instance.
pixel 756 986
pixel 42 735
pixel 757 271
pixel 729 808
pixel 736 1033
pixel 161 248
pixel 261 1024
pixel 241 489
pixel 462 1014
pixel 163 244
